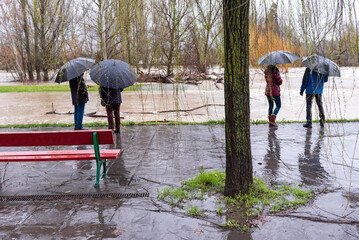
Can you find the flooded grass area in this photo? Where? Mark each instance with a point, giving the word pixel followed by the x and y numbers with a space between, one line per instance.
pixel 155 157
pixel 203 195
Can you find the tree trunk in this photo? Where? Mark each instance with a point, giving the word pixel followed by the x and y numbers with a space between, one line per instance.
pixel 30 69
pixel 37 55
pixel 236 80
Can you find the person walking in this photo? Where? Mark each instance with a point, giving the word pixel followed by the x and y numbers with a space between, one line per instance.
pixel 79 97
pixel 273 79
pixel 313 84
pixel 111 99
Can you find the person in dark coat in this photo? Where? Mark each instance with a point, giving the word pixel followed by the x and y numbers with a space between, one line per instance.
pixel 274 81
pixel 111 99
pixel 313 84
pixel 79 97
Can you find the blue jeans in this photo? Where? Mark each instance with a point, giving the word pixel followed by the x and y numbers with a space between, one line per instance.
pixel 278 104
pixel 79 115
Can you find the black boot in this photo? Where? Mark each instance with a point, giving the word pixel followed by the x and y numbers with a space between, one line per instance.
pixel 307 125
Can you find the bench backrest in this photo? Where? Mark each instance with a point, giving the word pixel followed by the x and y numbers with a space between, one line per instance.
pixel 55 138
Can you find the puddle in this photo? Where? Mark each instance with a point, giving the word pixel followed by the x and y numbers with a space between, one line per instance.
pixel 155 157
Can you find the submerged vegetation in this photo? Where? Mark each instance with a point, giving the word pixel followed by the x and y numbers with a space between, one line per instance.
pixel 241 209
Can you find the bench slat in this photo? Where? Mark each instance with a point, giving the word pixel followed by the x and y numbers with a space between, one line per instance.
pixel 55 138
pixel 34 156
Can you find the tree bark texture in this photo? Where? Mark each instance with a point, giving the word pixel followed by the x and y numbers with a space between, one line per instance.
pixel 29 58
pixel 239 172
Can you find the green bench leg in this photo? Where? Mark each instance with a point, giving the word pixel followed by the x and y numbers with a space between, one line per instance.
pixel 104 168
pixel 99 162
pixel 98 169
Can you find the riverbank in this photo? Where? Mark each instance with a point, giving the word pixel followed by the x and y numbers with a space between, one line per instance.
pixel 184 102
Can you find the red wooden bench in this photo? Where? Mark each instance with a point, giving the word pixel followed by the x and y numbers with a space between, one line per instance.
pixel 60 138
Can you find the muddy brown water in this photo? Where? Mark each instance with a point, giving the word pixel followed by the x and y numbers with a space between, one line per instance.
pixel 203 102
pixel 155 157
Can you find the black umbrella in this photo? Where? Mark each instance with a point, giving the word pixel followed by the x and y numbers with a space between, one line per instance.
pixel 278 57
pixel 112 73
pixel 322 65
pixel 74 68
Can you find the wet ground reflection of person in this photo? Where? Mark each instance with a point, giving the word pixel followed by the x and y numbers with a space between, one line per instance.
pixel 83 165
pixel 116 170
pixel 272 157
pixel 312 173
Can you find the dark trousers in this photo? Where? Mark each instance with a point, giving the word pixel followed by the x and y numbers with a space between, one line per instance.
pixel 110 109
pixel 318 99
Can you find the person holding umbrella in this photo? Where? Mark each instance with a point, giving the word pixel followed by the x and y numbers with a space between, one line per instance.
pixel 273 79
pixel 316 74
pixel 73 71
pixel 313 84
pixel 111 99
pixel 113 76
pixel 79 97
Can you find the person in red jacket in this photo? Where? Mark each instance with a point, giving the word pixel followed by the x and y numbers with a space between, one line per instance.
pixel 274 81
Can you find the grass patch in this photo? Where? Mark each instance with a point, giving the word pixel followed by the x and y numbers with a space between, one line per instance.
pixel 104 123
pixel 263 198
pixel 257 122
pixel 194 211
pixel 194 188
pixel 150 123
pixel 242 208
pixel 55 88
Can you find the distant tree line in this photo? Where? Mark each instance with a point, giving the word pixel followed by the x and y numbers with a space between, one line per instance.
pixel 39 36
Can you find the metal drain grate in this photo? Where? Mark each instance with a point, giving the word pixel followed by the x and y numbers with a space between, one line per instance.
pixel 72 196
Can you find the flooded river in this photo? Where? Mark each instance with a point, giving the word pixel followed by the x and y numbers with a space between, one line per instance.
pixel 183 102
pixel 155 157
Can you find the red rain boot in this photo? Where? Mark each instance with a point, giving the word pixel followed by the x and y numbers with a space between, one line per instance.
pixel 272 120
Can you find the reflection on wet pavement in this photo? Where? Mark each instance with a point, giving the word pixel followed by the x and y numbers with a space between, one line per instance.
pixel 272 157
pixel 154 157
pixel 312 173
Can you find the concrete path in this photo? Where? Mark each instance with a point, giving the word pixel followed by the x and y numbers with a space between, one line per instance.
pixel 155 157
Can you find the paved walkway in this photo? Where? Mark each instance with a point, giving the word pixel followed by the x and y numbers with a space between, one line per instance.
pixel 155 157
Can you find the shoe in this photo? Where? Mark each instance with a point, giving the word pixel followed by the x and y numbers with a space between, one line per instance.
pixel 81 129
pixel 119 132
pixel 272 120
pixel 307 125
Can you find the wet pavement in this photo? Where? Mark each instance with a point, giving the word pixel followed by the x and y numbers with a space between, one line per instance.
pixel 155 157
